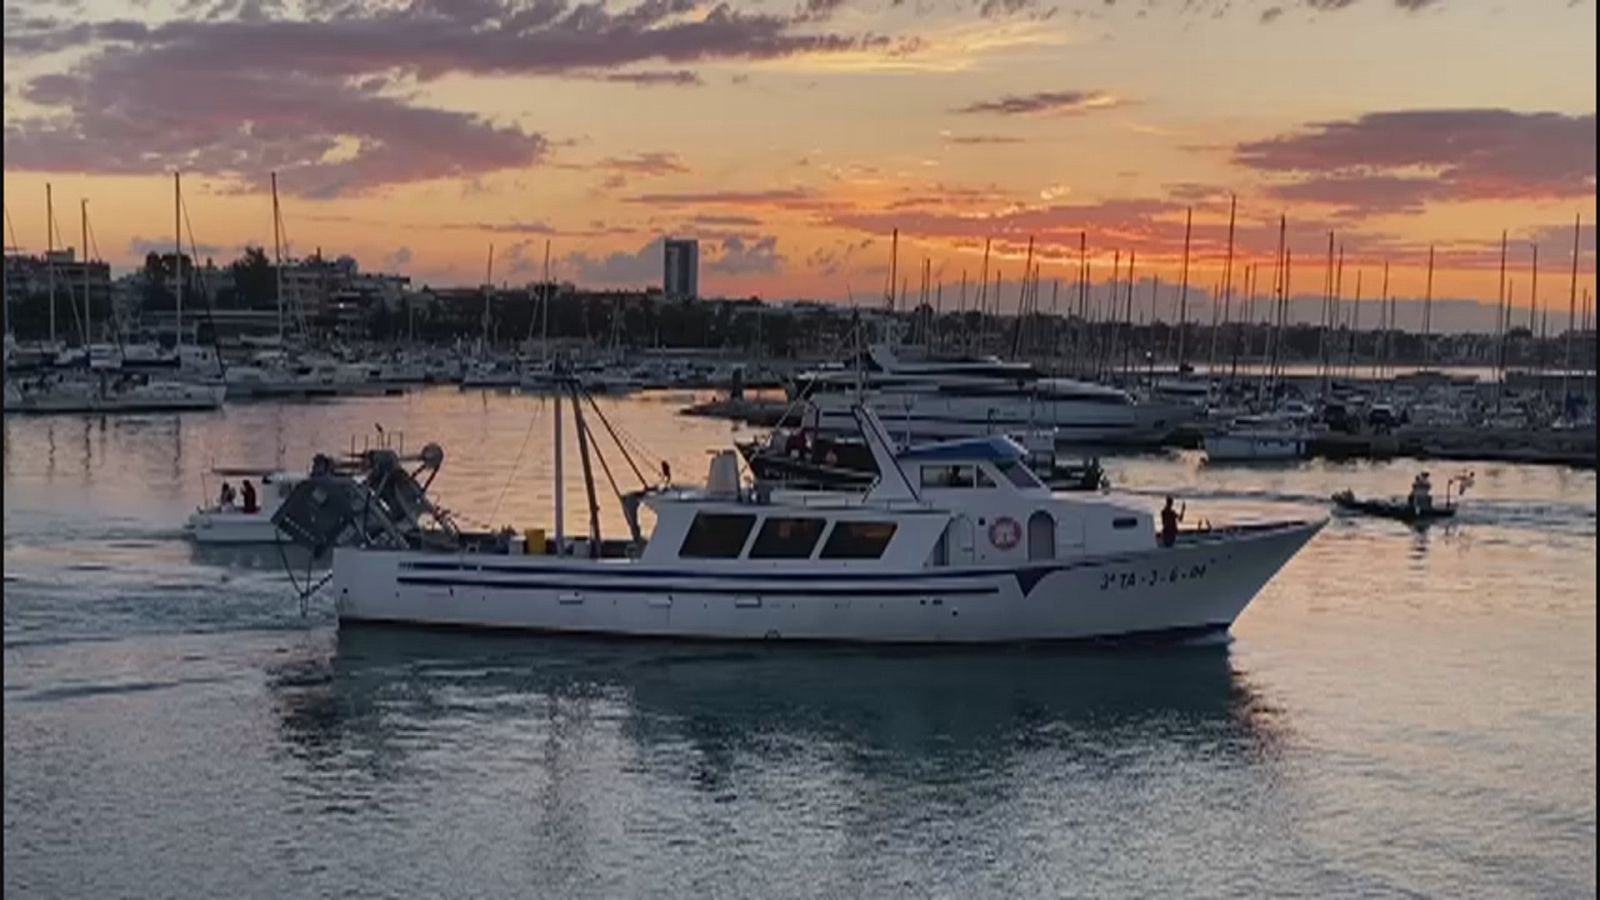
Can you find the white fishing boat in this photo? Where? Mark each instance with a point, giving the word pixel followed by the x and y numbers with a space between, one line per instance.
pixel 934 400
pixel 956 543
pixel 1258 439
pixel 231 523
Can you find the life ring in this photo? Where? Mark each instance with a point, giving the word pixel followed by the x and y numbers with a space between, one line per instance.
pixel 1005 533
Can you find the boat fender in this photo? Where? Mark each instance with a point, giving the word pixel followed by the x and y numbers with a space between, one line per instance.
pixel 1005 533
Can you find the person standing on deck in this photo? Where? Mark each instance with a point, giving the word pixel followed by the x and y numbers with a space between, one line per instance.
pixel 1422 493
pixel 249 497
pixel 1169 522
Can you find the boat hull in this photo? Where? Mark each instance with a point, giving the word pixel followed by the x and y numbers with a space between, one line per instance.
pixel 923 418
pixel 1254 447
pixel 1201 584
pixel 210 527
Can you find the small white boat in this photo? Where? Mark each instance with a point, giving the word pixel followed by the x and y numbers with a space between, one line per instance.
pixel 955 543
pixel 491 374
pixel 230 523
pixel 1257 438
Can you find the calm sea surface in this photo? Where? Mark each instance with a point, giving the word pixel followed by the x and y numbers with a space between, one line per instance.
pixel 1398 714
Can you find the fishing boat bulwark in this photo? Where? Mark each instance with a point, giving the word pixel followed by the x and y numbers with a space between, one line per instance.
pixel 956 543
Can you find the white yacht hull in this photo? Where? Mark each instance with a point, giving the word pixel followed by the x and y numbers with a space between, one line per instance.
pixel 1201 584
pixel 923 418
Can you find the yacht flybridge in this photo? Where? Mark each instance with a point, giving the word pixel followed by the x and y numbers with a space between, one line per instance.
pixel 956 542
pixel 926 400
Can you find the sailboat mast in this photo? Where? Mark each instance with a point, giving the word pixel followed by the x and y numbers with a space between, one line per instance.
pixel 277 255
pixel 177 234
pixel 544 327
pixel 1572 308
pixel 1427 316
pixel 1127 318
pixel 50 255
pixel 88 321
pixel 1382 364
pixel 894 265
pixel 561 483
pixel 1183 288
pixel 983 296
pixel 1501 303
pixel 1355 325
pixel 1227 277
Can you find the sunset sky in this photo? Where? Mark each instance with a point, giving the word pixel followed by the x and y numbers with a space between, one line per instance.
pixel 790 138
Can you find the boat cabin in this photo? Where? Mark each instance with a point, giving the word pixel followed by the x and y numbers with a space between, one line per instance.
pixel 960 503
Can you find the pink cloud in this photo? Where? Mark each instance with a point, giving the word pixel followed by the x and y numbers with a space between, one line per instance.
pixel 1399 161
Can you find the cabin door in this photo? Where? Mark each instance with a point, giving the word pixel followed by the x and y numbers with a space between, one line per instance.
pixel 1041 536
pixel 960 537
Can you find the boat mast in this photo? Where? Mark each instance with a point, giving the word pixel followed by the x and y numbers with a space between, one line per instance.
pixel 561 484
pixel 1155 289
pixel 894 266
pixel 88 320
pixel 277 256
pixel 1127 318
pixel 1355 325
pixel 544 311
pixel 1108 346
pixel 1272 313
pixel 488 287
pixel 1501 311
pixel 1241 326
pixel 1183 289
pixel 1227 281
pixel 1572 308
pixel 177 233
pixel 50 256
pixel 1534 337
pixel 983 295
pixel 1427 316
pixel 588 473
pixel 1386 316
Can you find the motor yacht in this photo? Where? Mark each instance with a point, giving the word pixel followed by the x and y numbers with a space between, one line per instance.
pixel 921 401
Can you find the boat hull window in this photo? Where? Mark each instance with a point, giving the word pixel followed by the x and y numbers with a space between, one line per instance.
pixel 858 540
pixel 1041 536
pixel 716 536
pixel 786 538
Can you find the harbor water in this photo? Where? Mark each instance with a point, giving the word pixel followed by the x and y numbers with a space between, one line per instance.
pixel 1400 712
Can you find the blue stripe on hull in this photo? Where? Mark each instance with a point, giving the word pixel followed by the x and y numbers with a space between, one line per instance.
pixel 1154 638
pixel 594 588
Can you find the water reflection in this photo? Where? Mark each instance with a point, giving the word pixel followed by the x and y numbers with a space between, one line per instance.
pixel 893 712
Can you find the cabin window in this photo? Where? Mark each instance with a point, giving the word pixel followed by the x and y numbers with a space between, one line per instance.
pixel 983 479
pixel 1124 522
pixel 716 535
pixel 1018 474
pixel 949 476
pixel 858 540
pixel 785 538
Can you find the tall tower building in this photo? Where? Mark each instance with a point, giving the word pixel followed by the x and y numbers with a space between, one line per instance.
pixel 680 278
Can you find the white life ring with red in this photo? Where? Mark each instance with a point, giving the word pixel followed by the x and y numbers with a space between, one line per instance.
pixel 1005 533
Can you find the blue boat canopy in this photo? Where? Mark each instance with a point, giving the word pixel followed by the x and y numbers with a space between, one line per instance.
pixel 994 448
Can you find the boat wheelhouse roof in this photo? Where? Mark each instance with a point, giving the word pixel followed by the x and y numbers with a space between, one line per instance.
pixel 993 448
